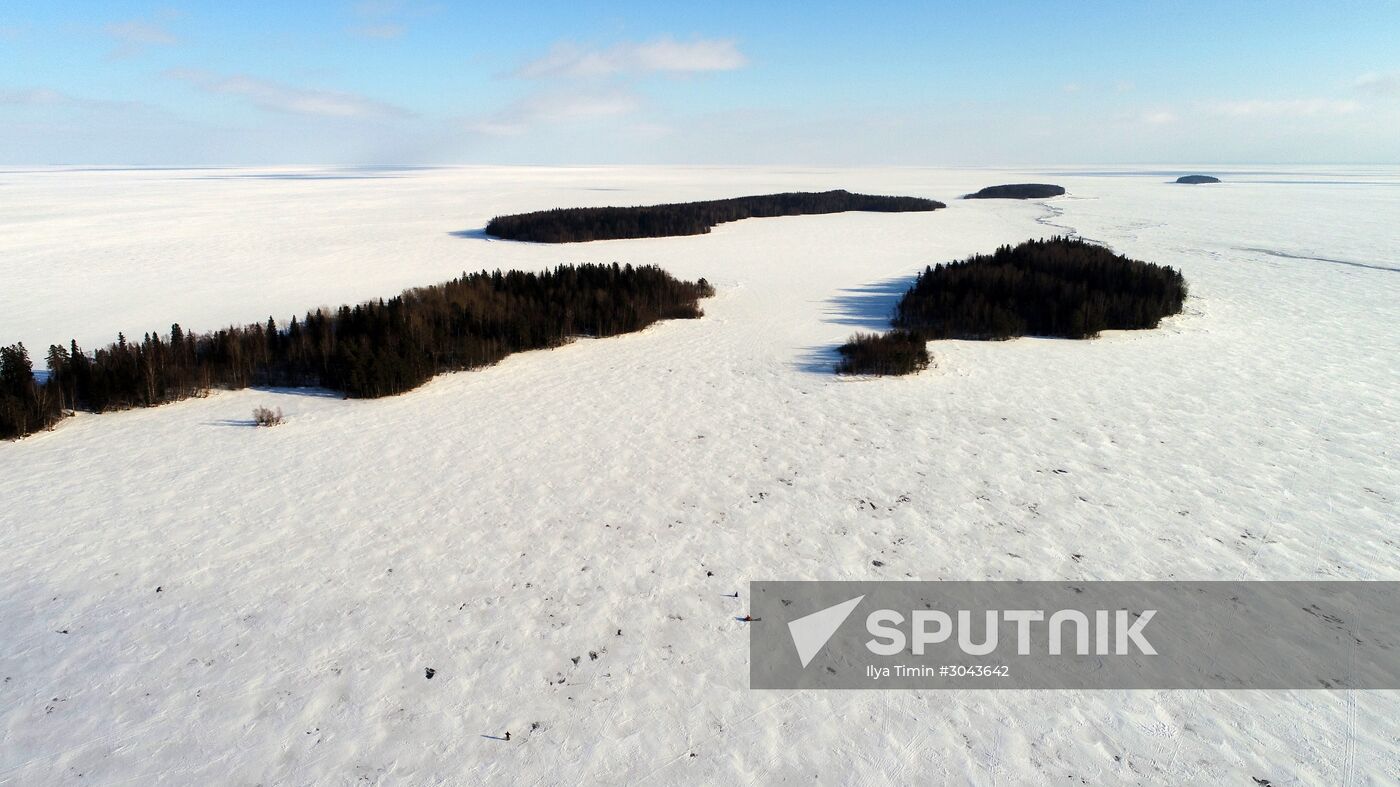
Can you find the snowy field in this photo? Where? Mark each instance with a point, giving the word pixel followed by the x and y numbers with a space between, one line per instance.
pixel 495 525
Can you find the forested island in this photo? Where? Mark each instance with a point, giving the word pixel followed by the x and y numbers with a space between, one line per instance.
pixel 1063 287
pixel 1194 179
pixel 378 348
pixel 571 225
pixel 1018 191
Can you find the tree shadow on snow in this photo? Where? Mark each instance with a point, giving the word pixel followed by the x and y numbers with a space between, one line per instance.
pixel 476 234
pixel 868 307
pixel 232 422
pixel 319 393
pixel 818 360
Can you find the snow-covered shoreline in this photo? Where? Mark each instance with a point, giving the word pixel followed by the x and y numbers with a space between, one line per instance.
pixel 494 525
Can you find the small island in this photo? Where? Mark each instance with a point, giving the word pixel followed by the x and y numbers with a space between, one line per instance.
pixel 895 352
pixel 572 225
pixel 1018 191
pixel 1060 287
pixel 1193 179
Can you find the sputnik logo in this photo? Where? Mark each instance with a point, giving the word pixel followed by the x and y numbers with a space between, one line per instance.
pixel 810 633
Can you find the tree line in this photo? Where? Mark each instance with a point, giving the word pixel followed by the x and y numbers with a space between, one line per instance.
pixel 568 225
pixel 378 348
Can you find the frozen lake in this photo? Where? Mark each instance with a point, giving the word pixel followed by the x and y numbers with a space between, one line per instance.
pixel 493 525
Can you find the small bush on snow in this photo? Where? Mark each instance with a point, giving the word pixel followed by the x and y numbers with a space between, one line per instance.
pixel 263 416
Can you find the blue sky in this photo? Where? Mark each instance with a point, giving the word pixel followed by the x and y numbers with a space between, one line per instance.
pixel 817 83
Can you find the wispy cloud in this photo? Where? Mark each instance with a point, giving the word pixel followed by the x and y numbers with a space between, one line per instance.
pixel 32 97
pixel 585 85
pixel 378 7
pixel 286 99
pixel 1302 107
pixel 135 36
pixel 1381 84
pixel 663 54
pixel 48 98
pixel 1159 117
pixel 1097 88
pixel 55 109
pixel 383 32
pixel 386 20
pixel 554 109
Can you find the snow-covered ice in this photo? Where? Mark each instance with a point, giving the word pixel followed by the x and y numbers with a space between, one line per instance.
pixel 495 525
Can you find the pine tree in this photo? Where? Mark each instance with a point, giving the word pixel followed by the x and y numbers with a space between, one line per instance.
pixel 60 375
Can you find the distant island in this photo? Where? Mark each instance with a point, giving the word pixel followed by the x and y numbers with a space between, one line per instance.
pixel 571 225
pixel 1063 287
pixel 1197 179
pixel 1018 191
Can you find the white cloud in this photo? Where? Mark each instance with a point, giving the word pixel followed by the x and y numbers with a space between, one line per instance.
pixel 667 54
pixel 1160 117
pixel 663 54
pixel 604 87
pixel 134 36
pixel 274 97
pixel 564 107
pixel 497 128
pixel 1387 84
pixel 1303 107
pixel 555 109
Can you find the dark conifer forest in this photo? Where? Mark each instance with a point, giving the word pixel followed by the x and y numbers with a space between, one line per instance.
pixel 569 225
pixel 25 405
pixel 1018 191
pixel 1063 287
pixel 378 348
pixel 895 352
